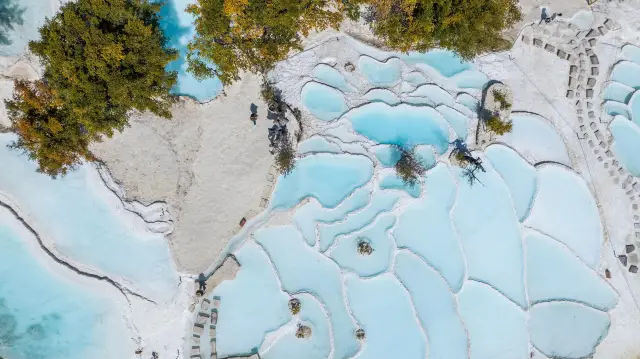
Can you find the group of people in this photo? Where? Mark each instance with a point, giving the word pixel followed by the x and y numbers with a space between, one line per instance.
pixel 278 131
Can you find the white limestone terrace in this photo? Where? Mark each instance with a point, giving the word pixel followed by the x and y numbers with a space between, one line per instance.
pixel 522 264
pixel 530 262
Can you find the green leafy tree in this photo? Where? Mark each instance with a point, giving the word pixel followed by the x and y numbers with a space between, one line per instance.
pixel 468 27
pixel 285 155
pixel 499 126
pixel 253 35
pixel 102 59
pixel 501 98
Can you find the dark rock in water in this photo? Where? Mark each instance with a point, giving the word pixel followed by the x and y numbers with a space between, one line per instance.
pixel 623 259
pixel 633 269
pixel 349 67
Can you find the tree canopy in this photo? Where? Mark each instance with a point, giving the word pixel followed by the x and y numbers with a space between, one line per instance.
pixel 102 59
pixel 43 129
pixel 252 35
pixel 468 27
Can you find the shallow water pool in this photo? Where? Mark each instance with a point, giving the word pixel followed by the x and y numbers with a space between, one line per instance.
pixel 402 125
pixel 30 15
pixel 77 213
pixel 626 143
pixel 178 27
pixel 43 314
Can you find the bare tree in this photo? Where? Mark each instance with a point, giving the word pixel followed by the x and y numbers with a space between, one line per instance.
pixel 408 167
pixel 469 163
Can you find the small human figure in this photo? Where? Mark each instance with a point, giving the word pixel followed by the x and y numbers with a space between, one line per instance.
pixel 202 285
pixel 253 118
pixel 154 355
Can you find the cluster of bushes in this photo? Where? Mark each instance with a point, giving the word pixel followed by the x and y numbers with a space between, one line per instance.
pixel 105 59
pixel 494 123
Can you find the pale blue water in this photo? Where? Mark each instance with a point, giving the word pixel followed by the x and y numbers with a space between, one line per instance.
pixel 345 253
pixel 435 305
pixel 627 73
pixel 44 315
pixel 634 107
pixel 626 145
pixel 425 227
pixel 426 156
pixel 572 279
pixel 445 62
pixel 317 347
pixel 380 74
pixel 436 94
pixel 324 102
pixel 444 251
pixel 381 201
pixel 382 95
pixel 303 269
pixel 519 176
pixel 631 52
pixel 491 237
pixel 457 120
pixel 565 210
pixel 310 215
pixel 567 330
pixel 85 226
pixel 317 144
pixel 403 125
pixel 536 139
pixel 394 182
pixel 32 14
pixel 314 176
pixel 616 91
pixel 179 28
pixel 468 101
pixel 242 323
pixel 614 108
pixel 471 80
pixel 415 79
pixel 383 309
pixel 625 79
pixel 497 326
pixel 332 77
pixel 387 155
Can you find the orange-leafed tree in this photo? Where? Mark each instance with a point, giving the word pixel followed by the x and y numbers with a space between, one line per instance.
pixel 45 129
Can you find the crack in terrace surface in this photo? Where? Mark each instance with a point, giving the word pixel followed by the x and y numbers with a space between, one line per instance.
pixel 121 288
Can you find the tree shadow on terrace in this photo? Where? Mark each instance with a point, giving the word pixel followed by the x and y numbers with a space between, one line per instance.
pixel 10 16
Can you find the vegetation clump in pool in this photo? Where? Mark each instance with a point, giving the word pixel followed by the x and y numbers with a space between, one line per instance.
pixel 409 168
pixel 294 306
pixel 364 247
pixel 303 331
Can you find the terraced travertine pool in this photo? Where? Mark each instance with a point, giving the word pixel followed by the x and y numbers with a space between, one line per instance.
pixel 457 270
pixel 47 310
pixel 622 104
